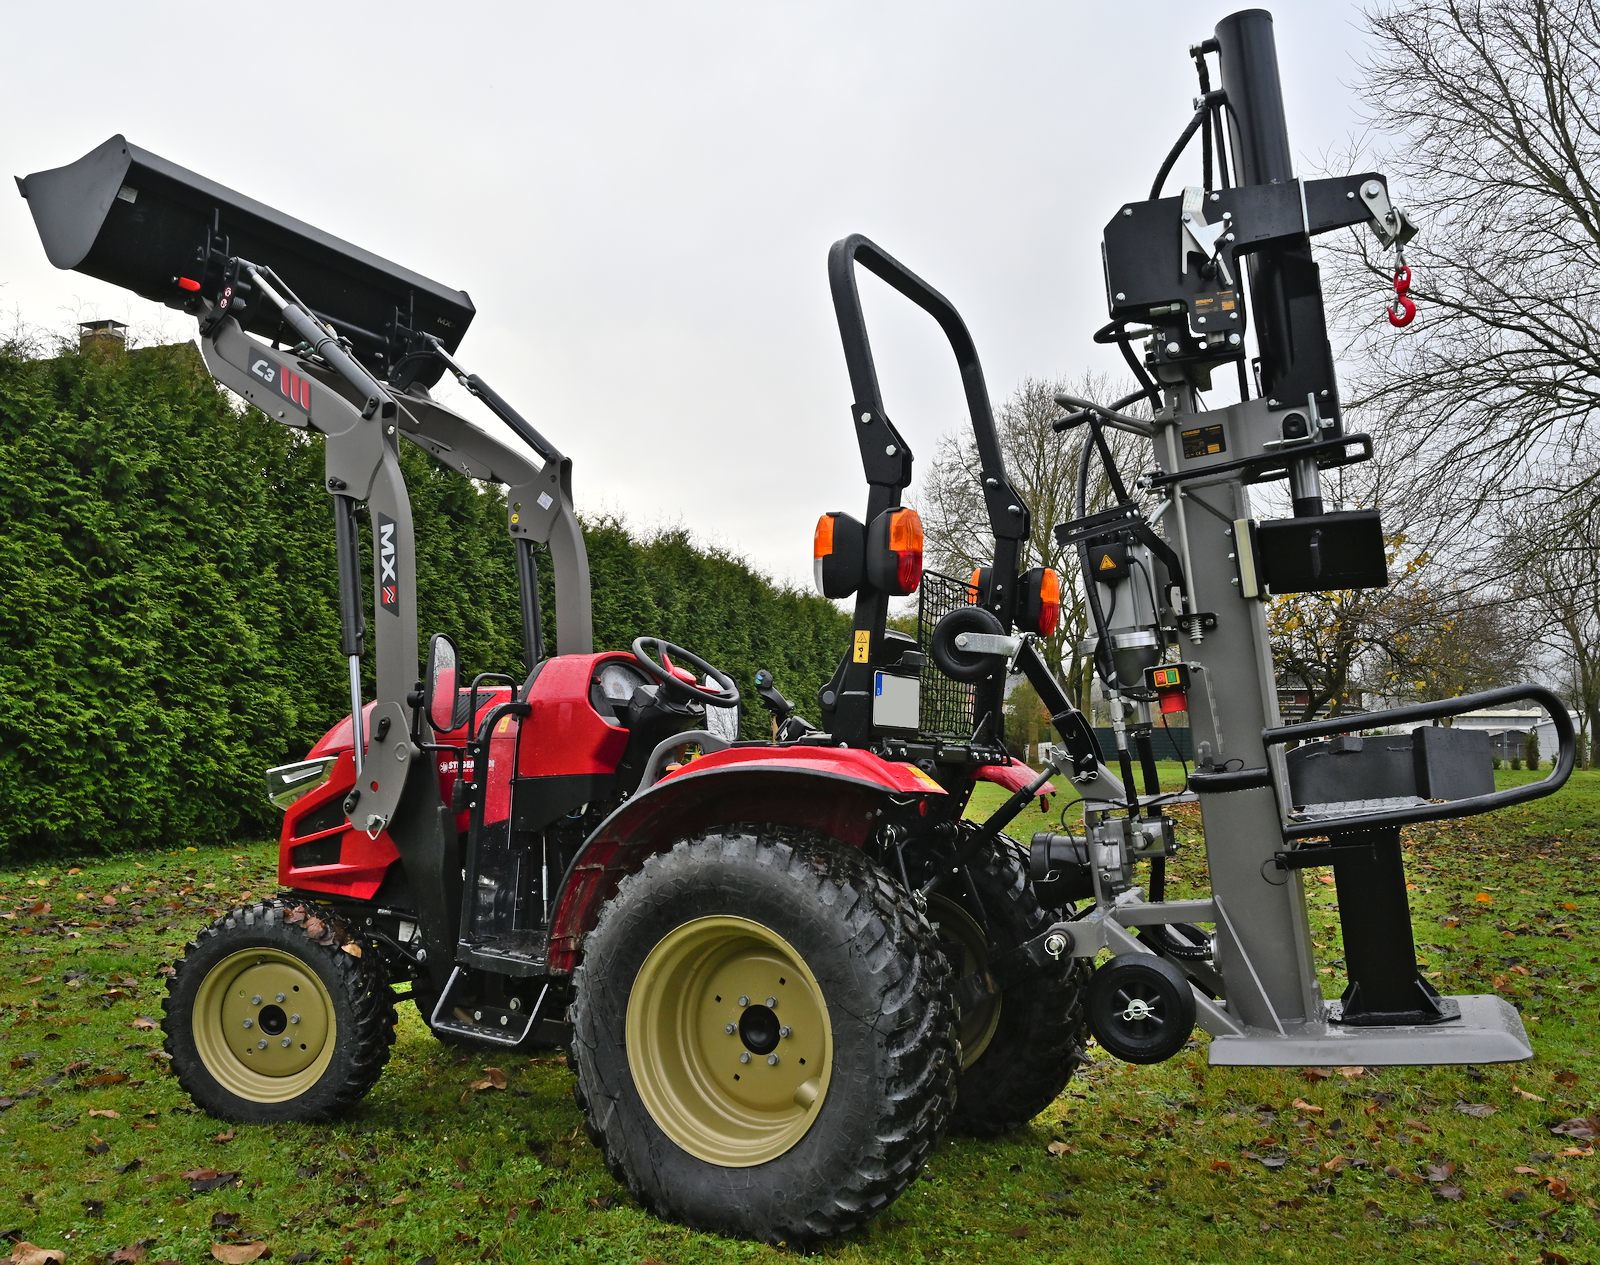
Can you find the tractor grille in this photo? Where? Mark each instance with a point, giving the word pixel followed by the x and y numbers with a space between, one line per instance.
pixel 947 706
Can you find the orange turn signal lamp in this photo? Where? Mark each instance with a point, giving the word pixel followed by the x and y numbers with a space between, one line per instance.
pixel 1038 597
pixel 888 555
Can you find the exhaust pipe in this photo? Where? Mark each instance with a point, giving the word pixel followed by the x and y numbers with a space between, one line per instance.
pixel 130 217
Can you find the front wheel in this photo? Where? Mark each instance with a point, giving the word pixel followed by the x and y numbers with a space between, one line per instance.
pixel 277 1012
pixel 763 1035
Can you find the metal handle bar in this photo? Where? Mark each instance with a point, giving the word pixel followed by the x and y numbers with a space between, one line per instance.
pixel 1472 805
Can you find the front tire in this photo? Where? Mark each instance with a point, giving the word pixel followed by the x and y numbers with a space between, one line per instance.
pixel 819 1106
pixel 277 1011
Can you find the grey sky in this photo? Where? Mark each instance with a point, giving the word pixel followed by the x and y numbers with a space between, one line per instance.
pixel 640 198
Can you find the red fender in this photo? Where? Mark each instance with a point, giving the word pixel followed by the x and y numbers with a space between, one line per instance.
pixel 1013 776
pixel 838 791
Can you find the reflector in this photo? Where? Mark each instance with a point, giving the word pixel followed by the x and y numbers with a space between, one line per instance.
pixel 1039 601
pixel 837 551
pixel 130 217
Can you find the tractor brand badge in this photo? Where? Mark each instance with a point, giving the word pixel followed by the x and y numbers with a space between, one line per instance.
pixel 388 566
pixel 264 369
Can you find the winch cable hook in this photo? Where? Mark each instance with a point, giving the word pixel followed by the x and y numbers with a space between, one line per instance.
pixel 1404 309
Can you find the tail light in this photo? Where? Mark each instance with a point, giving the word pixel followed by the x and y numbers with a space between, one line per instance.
pixel 838 551
pixel 1039 602
pixel 894 551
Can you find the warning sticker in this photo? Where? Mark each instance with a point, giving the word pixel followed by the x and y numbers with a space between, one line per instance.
pixel 1203 441
pixel 863 647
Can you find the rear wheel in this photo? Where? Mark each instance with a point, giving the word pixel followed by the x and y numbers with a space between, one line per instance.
pixel 278 1012
pixel 1019 1047
pixel 763 1035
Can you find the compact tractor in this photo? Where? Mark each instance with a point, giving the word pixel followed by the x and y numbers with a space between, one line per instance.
pixel 785 967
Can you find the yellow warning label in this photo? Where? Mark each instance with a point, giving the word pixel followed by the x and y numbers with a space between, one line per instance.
pixel 863 646
pixel 1107 563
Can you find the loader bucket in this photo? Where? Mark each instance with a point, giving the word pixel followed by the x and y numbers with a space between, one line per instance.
pixel 130 217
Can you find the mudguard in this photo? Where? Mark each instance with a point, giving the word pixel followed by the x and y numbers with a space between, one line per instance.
pixel 1013 776
pixel 838 791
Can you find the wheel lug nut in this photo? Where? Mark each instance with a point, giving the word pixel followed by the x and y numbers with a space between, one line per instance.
pixel 284 1043
pixel 249 1023
pixel 744 1001
pixel 256 1000
pixel 294 1018
pixel 772 1060
pixel 261 1044
pixel 280 998
pixel 729 1029
pixel 786 1032
pixel 772 1003
pixel 744 1056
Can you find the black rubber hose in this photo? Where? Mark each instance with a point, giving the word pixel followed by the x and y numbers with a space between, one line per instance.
pixel 1200 117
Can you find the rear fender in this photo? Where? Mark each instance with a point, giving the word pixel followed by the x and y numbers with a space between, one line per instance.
pixel 1013 776
pixel 836 791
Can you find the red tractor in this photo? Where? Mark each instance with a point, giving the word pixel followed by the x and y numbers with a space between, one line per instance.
pixel 786 967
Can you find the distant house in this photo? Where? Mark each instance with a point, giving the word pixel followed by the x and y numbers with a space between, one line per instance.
pixel 1508 728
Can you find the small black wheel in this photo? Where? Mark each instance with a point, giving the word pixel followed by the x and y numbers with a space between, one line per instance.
pixel 763 1035
pixel 1021 1046
pixel 278 1011
pixel 956 662
pixel 1141 1008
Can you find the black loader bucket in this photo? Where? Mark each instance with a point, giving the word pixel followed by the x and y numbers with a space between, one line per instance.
pixel 130 217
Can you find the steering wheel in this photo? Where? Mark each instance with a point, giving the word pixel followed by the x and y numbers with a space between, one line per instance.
pixel 726 696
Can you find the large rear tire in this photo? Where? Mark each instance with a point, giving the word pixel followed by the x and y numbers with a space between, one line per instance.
pixel 278 1011
pixel 763 1035
pixel 1020 1047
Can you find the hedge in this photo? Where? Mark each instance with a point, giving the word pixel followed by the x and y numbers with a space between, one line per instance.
pixel 169 601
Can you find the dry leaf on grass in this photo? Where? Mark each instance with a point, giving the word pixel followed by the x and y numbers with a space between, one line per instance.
pixel 25 1253
pixel 238 1253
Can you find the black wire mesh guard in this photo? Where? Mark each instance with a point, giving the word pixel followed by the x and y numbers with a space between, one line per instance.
pixel 947 706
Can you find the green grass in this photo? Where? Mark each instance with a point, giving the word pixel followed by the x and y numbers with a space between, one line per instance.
pixel 1176 1163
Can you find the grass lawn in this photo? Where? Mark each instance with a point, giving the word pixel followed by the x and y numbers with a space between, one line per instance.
pixel 107 1160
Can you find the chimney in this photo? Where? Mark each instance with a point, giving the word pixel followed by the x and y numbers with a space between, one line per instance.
pixel 102 338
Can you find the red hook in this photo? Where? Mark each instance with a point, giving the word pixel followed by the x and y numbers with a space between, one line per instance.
pixel 1403 310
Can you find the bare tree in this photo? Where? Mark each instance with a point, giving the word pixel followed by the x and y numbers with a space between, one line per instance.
pixel 1043 467
pixel 1490 119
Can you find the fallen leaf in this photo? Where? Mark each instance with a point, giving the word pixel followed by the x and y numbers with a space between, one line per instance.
pixel 25 1253
pixel 105 1113
pixel 493 1078
pixel 106 1078
pixel 1352 1073
pixel 1058 1148
pixel 1450 1191
pixel 227 1135
pixel 1483 898
pixel 315 927
pixel 129 1255
pixel 204 1179
pixel 1221 1166
pixel 1316 1074
pixel 1437 1173
pixel 1581 1127
pixel 353 949
pixel 224 1220
pixel 1477 1110
pixel 145 1025
pixel 238 1253
pixel 1523 1093
pixel 1300 1104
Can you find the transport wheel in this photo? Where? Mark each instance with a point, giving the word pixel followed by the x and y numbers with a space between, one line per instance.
pixel 1141 1008
pixel 763 1035
pixel 277 1011
pixel 1019 1047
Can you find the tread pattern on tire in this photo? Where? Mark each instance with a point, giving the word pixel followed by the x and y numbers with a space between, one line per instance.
pixel 878 918
pixel 1038 1050
pixel 361 979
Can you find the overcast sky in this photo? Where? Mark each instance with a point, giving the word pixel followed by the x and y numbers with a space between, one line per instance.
pixel 640 197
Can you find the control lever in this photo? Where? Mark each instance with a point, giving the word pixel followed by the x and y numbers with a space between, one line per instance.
pixel 780 707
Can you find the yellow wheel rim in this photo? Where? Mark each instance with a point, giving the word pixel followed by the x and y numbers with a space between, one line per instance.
pixel 728 1041
pixel 967 948
pixel 264 1025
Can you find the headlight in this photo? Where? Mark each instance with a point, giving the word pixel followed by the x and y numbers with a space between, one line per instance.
pixel 288 782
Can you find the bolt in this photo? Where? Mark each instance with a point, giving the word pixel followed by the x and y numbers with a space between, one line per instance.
pixel 261 1044
pixel 743 1000
pixel 772 1003
pixel 744 1056
pixel 1055 945
pixel 1173 349
pixel 865 418
pixel 255 1001
pixel 284 1043
pixel 294 1018
pixel 1227 215
pixel 1351 195
pixel 890 451
pixel 772 1060
pixel 1234 581
pixel 1199 320
pixel 477 1016
pixel 249 1023
pixel 786 1032
pixel 729 1028
pixel 279 998
pixel 1233 316
pixel 1188 219
pixel 1372 189
pixel 1120 296
pixel 1234 340
pixel 1127 210
pixel 1215 197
